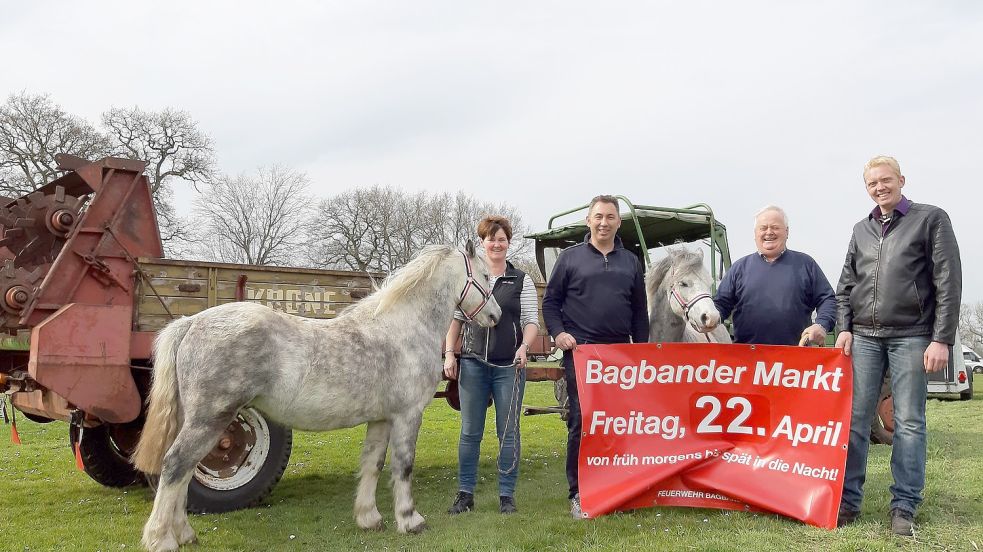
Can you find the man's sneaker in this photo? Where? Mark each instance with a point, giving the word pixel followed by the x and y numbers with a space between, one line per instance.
pixel 506 505
pixel 575 511
pixel 902 522
pixel 846 517
pixel 463 502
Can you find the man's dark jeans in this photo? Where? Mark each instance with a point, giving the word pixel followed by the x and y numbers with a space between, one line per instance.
pixel 573 424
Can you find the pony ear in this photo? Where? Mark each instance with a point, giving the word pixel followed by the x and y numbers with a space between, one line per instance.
pixel 469 248
pixel 700 252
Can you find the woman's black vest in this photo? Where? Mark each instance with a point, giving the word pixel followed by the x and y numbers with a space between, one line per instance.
pixel 498 344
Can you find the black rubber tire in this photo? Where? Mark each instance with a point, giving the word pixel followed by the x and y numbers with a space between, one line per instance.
pixel 205 500
pixel 967 395
pixel 103 460
pixel 879 435
pixel 37 419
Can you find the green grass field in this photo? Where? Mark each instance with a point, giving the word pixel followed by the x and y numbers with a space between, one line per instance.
pixel 46 504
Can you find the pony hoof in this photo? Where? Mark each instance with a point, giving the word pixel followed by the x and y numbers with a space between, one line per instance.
pixel 164 544
pixel 371 521
pixel 187 536
pixel 415 525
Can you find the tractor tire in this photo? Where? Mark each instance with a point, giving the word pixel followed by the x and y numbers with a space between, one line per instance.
pixel 882 428
pixel 967 395
pixel 879 435
pixel 243 467
pixel 104 458
pixel 37 419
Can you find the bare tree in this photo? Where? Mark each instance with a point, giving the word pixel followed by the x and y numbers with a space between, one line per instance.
pixel 260 219
pixel 350 230
pixel 463 213
pixel 382 228
pixel 971 325
pixel 173 147
pixel 32 130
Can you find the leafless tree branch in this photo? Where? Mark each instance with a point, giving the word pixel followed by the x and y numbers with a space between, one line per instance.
pixel 971 325
pixel 381 228
pixel 32 130
pixel 261 219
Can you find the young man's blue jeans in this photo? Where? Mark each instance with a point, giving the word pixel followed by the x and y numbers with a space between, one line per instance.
pixel 477 382
pixel 903 359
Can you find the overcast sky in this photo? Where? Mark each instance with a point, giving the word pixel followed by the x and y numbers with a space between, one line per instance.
pixel 546 104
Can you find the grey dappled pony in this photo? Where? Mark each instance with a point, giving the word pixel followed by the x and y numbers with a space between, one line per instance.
pixel 680 304
pixel 378 363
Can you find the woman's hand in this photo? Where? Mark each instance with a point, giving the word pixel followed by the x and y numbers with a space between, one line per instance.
pixel 450 366
pixel 520 356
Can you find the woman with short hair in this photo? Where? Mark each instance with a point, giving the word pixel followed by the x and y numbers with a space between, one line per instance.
pixel 493 362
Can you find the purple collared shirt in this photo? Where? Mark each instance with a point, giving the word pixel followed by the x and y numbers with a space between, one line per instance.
pixel 901 209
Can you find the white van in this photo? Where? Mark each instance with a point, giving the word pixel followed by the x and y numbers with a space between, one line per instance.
pixel 972 360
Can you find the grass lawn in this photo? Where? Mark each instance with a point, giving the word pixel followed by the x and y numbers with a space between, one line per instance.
pixel 46 504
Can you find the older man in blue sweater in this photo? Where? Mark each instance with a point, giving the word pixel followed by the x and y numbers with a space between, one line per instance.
pixel 773 293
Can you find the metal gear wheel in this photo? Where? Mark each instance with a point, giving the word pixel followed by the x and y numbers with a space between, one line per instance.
pixel 36 226
pixel 17 288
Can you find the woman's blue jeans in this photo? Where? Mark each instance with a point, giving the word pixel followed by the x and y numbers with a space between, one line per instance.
pixel 903 359
pixel 477 381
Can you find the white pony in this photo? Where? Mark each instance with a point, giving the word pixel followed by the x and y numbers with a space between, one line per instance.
pixel 377 363
pixel 680 305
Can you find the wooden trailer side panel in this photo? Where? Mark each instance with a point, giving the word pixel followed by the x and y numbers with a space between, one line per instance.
pixel 174 288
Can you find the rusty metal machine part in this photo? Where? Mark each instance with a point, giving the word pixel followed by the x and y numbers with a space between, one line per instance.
pixel 67 264
pixel 17 287
pixel 17 381
pixel 35 227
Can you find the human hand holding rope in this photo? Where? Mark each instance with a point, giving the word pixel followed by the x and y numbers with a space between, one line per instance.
pixel 520 355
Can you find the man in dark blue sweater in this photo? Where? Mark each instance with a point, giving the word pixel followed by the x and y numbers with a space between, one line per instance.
pixel 596 294
pixel 772 293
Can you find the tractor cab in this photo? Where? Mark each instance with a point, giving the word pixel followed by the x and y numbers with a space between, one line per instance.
pixel 643 228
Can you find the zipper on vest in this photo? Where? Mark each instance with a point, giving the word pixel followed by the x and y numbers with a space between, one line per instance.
pixel 605 263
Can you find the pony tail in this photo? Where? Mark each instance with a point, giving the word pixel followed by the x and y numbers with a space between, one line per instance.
pixel 163 410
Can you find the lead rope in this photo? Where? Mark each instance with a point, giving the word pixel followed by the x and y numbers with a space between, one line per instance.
pixel 513 412
pixel 513 406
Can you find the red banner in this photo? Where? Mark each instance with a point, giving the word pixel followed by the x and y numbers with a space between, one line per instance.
pixel 739 427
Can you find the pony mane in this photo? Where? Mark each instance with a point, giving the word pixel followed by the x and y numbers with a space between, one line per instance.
pixel 683 260
pixel 404 280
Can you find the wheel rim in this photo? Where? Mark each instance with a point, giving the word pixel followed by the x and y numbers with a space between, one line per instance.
pixel 240 454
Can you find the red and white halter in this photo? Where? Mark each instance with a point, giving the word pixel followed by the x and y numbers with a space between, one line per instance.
pixel 472 284
pixel 683 304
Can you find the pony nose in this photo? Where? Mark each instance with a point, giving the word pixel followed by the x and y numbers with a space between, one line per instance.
pixel 494 318
pixel 710 320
